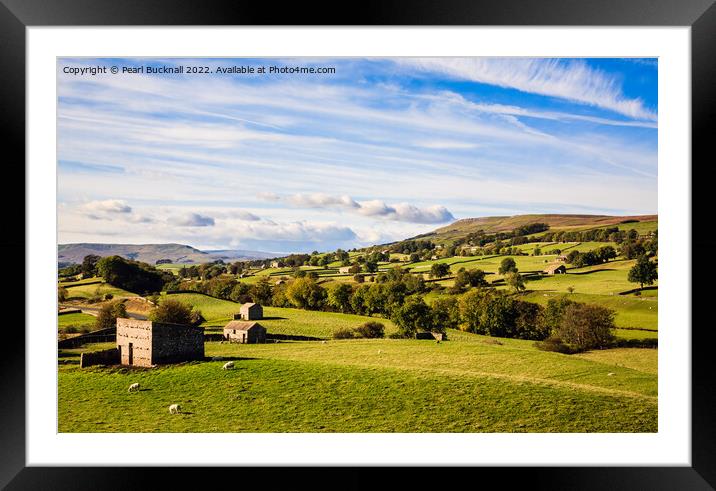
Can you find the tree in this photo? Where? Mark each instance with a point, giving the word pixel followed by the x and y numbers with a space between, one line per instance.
pixel 586 326
pixel 606 253
pixel 371 266
pixel 643 272
pixel 109 313
pixel 412 316
pixel 172 312
pixel 507 265
pixel 306 293
pixel 516 282
pixel 261 291
pixel 62 294
pixel 439 270
pixel 89 266
pixel 339 296
pixel 133 276
pixel 359 278
pixel 446 313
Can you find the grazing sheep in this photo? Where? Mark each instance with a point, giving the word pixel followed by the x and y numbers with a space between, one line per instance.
pixel 228 365
pixel 323 342
pixel 610 374
pixel 134 387
pixel 174 409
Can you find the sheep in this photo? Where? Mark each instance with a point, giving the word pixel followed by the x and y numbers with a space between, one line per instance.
pixel 323 342
pixel 174 409
pixel 228 365
pixel 610 374
pixel 134 387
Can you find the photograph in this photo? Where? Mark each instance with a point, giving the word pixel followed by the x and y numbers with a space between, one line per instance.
pixel 357 245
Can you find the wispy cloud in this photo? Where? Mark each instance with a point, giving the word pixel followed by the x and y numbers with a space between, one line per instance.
pixel 568 79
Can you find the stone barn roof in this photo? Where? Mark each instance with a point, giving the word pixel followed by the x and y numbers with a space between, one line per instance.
pixel 242 325
pixel 554 267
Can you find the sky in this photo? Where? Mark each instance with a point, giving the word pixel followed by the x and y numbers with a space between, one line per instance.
pixel 376 150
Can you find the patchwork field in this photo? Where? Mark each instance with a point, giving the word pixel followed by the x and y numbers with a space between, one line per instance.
pixel 469 384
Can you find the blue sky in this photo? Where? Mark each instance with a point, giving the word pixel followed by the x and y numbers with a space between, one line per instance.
pixel 381 150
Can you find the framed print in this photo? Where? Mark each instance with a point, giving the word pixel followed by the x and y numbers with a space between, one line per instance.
pixel 425 237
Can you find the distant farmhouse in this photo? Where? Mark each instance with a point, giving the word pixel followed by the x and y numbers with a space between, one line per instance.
pixel 344 269
pixel 146 343
pixel 250 312
pixel 244 332
pixel 555 269
pixel 275 264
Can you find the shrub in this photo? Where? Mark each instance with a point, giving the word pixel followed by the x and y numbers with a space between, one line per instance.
pixel 172 312
pixel 370 329
pixel 62 294
pixel 195 317
pixel 343 333
pixel 109 313
pixel 108 296
pixel 587 326
pixel 554 343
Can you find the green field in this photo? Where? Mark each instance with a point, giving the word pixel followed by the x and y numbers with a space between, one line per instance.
pixel 278 320
pixel 101 289
pixel 468 384
pixel 78 321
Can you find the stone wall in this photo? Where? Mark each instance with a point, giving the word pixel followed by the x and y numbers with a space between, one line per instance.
pixel 139 335
pixel 172 343
pixel 104 357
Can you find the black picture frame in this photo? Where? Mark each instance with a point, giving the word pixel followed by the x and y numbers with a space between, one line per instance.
pixel 700 15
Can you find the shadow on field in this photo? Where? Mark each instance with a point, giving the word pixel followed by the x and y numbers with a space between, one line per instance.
pixel 273 318
pixel 67 354
pixel 594 271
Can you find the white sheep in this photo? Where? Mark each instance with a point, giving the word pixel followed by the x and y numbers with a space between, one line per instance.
pixel 611 374
pixel 228 365
pixel 134 387
pixel 174 409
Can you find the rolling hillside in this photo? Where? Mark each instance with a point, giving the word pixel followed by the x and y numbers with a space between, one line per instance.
pixel 151 253
pixel 466 226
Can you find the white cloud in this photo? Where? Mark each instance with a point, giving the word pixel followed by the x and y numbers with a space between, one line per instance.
pixel 402 212
pixel 195 220
pixel 107 206
pixel 571 80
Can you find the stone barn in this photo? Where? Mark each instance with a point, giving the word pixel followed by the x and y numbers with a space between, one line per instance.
pixel 244 332
pixel 146 343
pixel 344 269
pixel 251 312
pixel 555 269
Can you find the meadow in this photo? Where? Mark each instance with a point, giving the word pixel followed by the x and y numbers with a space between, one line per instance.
pixel 469 384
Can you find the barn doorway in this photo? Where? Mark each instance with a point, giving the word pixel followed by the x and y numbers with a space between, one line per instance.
pixel 130 354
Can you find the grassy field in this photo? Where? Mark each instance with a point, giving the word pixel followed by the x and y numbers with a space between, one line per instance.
pixel 469 384
pixel 79 321
pixel 278 320
pixel 92 289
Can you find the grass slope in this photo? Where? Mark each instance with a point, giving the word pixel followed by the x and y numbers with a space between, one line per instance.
pixel 470 384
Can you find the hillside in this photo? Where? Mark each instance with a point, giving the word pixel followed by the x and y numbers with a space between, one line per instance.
pixel 555 222
pixel 151 253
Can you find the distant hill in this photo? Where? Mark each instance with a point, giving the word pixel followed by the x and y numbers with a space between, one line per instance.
pixel 466 226
pixel 151 253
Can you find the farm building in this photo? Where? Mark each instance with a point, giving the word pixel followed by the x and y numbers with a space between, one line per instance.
pixel 561 258
pixel 344 269
pixel 555 269
pixel 147 343
pixel 275 264
pixel 280 282
pixel 244 332
pixel 251 312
